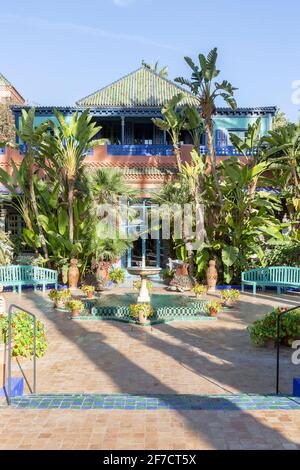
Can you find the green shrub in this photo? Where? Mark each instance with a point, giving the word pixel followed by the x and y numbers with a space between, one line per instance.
pixel 117 275
pixel 283 255
pixel 136 309
pixel 264 330
pixel 137 285
pixel 167 275
pixel 22 335
pixel 74 305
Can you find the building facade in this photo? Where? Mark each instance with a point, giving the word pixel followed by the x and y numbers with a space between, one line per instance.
pixel 124 110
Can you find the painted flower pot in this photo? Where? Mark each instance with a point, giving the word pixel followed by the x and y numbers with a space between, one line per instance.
pixel 75 313
pixel 213 312
pixel 90 295
pixel 59 304
pixel 143 320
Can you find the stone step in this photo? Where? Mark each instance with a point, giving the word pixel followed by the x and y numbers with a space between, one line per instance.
pixel 157 402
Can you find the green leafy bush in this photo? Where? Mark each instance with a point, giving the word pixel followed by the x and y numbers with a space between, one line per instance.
pixel 117 275
pixel 74 305
pixel 6 248
pixel 283 255
pixel 137 285
pixel 145 309
pixel 167 275
pixel 263 331
pixel 22 335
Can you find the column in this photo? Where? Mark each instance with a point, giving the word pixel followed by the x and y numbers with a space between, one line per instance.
pixel 122 130
pixel 2 218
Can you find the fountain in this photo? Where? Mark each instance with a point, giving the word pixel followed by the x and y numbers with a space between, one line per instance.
pixel 144 272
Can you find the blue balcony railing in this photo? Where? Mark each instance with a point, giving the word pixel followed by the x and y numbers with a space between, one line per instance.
pixel 227 151
pixel 143 150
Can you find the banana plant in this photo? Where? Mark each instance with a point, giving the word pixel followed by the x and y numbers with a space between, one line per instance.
pixel 173 123
pixel 204 86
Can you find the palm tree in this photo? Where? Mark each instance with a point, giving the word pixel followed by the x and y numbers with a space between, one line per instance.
pixel 33 138
pixel 203 85
pixel 173 122
pixel 107 186
pixel 163 72
pixel 66 149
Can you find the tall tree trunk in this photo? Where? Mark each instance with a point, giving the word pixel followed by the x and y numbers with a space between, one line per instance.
pixel 177 156
pixel 70 209
pixel 35 209
pixel 212 156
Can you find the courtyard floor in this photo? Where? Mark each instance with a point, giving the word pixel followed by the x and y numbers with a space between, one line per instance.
pixel 186 357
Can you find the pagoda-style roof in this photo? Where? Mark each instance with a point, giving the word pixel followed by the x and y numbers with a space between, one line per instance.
pixel 142 88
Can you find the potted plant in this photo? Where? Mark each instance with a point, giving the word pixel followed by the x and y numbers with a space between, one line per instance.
pixel 199 290
pixel 213 307
pixel 88 290
pixel 75 307
pixel 137 285
pixel 229 296
pixel 141 312
pixel 117 275
pixel 59 297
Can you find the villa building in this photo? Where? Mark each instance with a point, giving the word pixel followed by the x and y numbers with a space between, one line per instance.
pixel 124 110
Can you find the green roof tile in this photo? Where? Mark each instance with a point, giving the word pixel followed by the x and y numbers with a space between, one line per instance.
pixel 142 88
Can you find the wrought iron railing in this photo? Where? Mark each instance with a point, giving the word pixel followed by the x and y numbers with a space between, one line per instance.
pixel 14 309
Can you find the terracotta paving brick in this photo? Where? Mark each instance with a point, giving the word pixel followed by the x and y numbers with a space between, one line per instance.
pixel 177 358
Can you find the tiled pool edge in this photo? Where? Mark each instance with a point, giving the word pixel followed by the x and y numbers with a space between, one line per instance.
pixel 127 402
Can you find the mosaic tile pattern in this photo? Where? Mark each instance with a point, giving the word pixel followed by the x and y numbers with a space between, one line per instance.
pixel 157 402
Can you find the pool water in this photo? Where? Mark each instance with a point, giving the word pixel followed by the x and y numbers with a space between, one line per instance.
pixel 157 300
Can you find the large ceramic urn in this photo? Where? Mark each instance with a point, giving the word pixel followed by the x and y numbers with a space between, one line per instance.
pixel 73 276
pixel 211 276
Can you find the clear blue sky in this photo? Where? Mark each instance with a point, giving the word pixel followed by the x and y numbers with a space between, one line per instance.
pixel 59 51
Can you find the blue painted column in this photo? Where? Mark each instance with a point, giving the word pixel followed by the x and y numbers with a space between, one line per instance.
pixel 129 258
pixel 165 137
pixel 158 253
pixel 122 130
pixel 144 262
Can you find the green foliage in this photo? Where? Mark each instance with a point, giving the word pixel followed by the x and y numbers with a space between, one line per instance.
pixel 167 274
pixel 117 275
pixel 213 306
pixel 230 294
pixel 73 305
pixel 59 295
pixel 6 248
pixel 29 260
pixel 263 331
pixel 199 289
pixel 145 309
pixel 282 255
pixel 22 335
pixel 88 289
pixel 137 285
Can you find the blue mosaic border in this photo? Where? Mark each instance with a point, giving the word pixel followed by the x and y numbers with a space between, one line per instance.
pixel 194 311
pixel 157 402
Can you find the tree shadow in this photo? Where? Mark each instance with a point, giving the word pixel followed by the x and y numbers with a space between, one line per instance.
pixel 130 377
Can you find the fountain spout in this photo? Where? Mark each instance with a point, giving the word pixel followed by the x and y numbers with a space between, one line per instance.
pixel 144 273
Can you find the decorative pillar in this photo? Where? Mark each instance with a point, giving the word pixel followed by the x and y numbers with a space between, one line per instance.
pixel 3 212
pixel 158 253
pixel 165 136
pixel 122 130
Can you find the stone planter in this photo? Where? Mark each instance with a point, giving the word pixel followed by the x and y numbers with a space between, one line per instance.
pixel 143 320
pixel 212 276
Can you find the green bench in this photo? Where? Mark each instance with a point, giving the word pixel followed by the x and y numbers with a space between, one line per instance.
pixel 275 276
pixel 18 276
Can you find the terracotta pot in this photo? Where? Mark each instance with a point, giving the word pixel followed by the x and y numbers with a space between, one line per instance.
pixel 182 270
pixel 73 275
pixel 59 304
pixel 103 269
pixel 212 276
pixel 75 313
pixel 213 312
pixel 90 295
